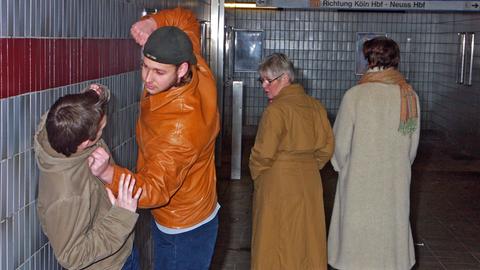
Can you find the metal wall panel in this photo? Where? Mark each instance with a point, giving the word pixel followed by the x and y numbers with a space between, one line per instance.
pixel 237 113
pixel 456 107
pixel 322 46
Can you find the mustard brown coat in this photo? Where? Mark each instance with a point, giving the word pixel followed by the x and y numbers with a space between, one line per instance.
pixel 294 141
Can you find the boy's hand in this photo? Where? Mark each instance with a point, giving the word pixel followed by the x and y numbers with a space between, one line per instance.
pixel 99 165
pixel 125 198
pixel 141 30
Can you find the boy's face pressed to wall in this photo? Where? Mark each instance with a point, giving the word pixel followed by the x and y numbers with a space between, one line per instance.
pixel 102 125
pixel 89 143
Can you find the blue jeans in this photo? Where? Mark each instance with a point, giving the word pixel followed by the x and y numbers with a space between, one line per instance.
pixel 133 261
pixel 189 250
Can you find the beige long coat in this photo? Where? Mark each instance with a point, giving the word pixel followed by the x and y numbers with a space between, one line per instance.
pixel 370 226
pixel 294 141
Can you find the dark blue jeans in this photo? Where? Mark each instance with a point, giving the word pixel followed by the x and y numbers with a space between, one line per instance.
pixel 133 261
pixel 191 250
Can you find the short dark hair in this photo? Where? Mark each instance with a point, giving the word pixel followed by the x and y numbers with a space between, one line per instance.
pixel 74 118
pixel 381 52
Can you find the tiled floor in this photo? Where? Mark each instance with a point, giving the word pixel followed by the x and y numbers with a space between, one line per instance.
pixel 445 210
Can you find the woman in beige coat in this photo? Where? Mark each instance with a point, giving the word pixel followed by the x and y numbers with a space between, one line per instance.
pixel 376 139
pixel 294 141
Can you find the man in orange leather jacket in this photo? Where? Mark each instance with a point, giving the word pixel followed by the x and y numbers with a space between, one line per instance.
pixel 176 133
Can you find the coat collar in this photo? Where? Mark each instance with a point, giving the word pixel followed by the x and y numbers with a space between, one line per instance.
pixel 163 98
pixel 290 90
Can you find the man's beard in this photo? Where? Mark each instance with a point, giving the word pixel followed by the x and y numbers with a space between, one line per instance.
pixel 174 84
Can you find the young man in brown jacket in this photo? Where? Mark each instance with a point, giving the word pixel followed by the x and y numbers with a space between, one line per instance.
pixel 176 134
pixel 87 226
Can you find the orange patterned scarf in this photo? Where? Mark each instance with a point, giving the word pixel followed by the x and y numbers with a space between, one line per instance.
pixel 408 103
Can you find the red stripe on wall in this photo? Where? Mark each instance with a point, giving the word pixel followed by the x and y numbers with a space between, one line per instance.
pixel 29 65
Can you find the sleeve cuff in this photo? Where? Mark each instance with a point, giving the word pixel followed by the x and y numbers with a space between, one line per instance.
pixel 117 171
pixel 126 217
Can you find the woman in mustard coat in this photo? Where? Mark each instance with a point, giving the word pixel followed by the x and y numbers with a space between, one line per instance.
pixel 293 142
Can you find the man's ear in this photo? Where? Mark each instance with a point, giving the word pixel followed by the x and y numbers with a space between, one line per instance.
pixel 182 70
pixel 84 145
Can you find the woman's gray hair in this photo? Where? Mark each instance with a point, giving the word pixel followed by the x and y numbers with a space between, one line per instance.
pixel 276 64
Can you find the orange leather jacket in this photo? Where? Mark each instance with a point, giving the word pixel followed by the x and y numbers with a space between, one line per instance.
pixel 176 133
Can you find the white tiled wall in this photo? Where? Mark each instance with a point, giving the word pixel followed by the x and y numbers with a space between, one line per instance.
pixel 456 107
pixel 22 243
pixel 322 47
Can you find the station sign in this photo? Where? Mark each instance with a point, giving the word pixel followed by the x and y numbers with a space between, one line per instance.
pixel 393 5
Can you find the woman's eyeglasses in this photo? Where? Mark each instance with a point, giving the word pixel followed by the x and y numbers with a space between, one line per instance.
pixel 269 81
